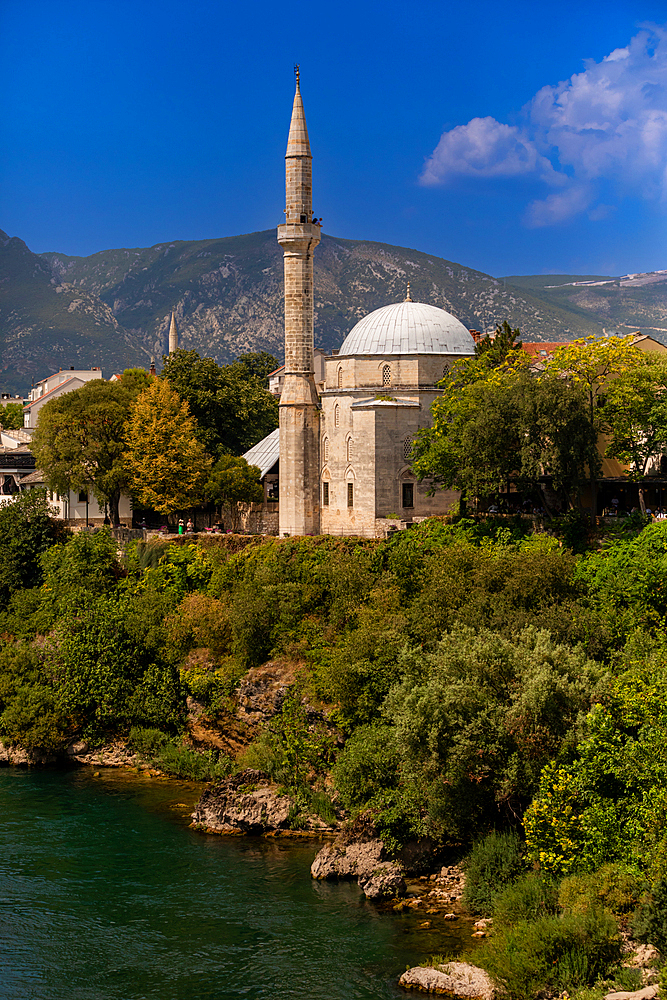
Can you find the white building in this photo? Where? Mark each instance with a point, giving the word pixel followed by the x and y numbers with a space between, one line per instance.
pixel 53 386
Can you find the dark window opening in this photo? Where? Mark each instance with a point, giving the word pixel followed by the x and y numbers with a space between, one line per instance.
pixel 83 496
pixel 350 494
pixel 304 218
pixel 408 494
pixel 325 494
pixel 272 491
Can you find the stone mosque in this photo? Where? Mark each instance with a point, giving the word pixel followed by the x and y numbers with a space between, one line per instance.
pixel 341 453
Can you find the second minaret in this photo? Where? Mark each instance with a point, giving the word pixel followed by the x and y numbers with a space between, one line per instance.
pixel 299 414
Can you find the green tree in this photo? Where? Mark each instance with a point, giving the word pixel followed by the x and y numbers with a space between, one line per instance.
pixel 11 416
pixel 166 465
pixel 593 365
pixel 495 423
pixel 474 443
pixel 106 677
pixel 258 363
pixel 477 721
pixel 231 405
pixel 79 440
pixel 27 530
pixel 495 351
pixel 233 482
pixel 609 804
pixel 635 414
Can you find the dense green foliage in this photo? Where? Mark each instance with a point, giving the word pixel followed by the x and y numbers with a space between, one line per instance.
pixel 494 863
pixel 465 681
pixel 11 416
pixel 232 408
pixel 552 952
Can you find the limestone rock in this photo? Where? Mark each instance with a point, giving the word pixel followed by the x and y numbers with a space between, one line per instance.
pixel 348 861
pixel 646 994
pixel 456 978
pixel 24 758
pixel 247 803
pixel 385 882
pixel 378 877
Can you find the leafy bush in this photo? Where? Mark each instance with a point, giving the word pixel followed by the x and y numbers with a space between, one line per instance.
pixel 106 678
pixel 492 865
pixel 27 531
pixel 88 562
pixel 609 804
pixel 551 953
pixel 367 764
pixel 613 887
pixel 181 762
pixel 29 714
pixel 530 898
pixel 650 921
pixel 33 719
pixel 478 719
pixel 289 748
pixel 147 741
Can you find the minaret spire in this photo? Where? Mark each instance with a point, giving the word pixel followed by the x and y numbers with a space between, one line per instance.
pixel 173 335
pixel 299 405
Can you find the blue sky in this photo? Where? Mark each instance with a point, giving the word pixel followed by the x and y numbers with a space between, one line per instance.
pixel 514 137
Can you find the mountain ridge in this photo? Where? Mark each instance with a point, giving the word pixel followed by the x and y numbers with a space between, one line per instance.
pixel 112 308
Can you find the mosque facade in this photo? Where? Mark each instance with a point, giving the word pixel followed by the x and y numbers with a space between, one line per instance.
pixel 341 454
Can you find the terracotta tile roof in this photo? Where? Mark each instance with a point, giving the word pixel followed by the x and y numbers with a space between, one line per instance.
pixel 542 349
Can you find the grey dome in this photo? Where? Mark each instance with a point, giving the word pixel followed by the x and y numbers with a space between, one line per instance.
pixel 408 328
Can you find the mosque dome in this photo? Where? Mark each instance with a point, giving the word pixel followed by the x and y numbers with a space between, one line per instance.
pixel 408 328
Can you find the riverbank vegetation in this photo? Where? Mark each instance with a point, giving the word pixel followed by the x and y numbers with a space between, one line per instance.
pixel 461 679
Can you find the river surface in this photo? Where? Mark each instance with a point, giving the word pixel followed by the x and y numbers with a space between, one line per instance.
pixel 106 894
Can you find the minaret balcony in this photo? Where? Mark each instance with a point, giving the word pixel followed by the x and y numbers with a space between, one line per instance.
pixel 299 232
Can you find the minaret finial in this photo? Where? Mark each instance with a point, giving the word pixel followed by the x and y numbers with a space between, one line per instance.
pixel 297 73
pixel 408 297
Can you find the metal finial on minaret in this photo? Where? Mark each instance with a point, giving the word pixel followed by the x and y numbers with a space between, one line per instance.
pixel 297 74
pixel 408 297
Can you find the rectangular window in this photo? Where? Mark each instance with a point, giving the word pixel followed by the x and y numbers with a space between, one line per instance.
pixel 408 494
pixel 350 494
pixel 83 496
pixel 325 494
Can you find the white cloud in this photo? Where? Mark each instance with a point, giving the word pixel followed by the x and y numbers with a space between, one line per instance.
pixel 606 124
pixel 485 148
pixel 558 207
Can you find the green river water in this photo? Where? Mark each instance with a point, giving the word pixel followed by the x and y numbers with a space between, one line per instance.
pixel 106 894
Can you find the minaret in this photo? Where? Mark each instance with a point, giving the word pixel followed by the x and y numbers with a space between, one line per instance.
pixel 173 335
pixel 299 413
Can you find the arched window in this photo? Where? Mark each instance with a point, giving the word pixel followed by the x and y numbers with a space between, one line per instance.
pixel 337 416
pixel 349 449
pixel 407 449
pixel 386 375
pixel 340 378
pixel 325 449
